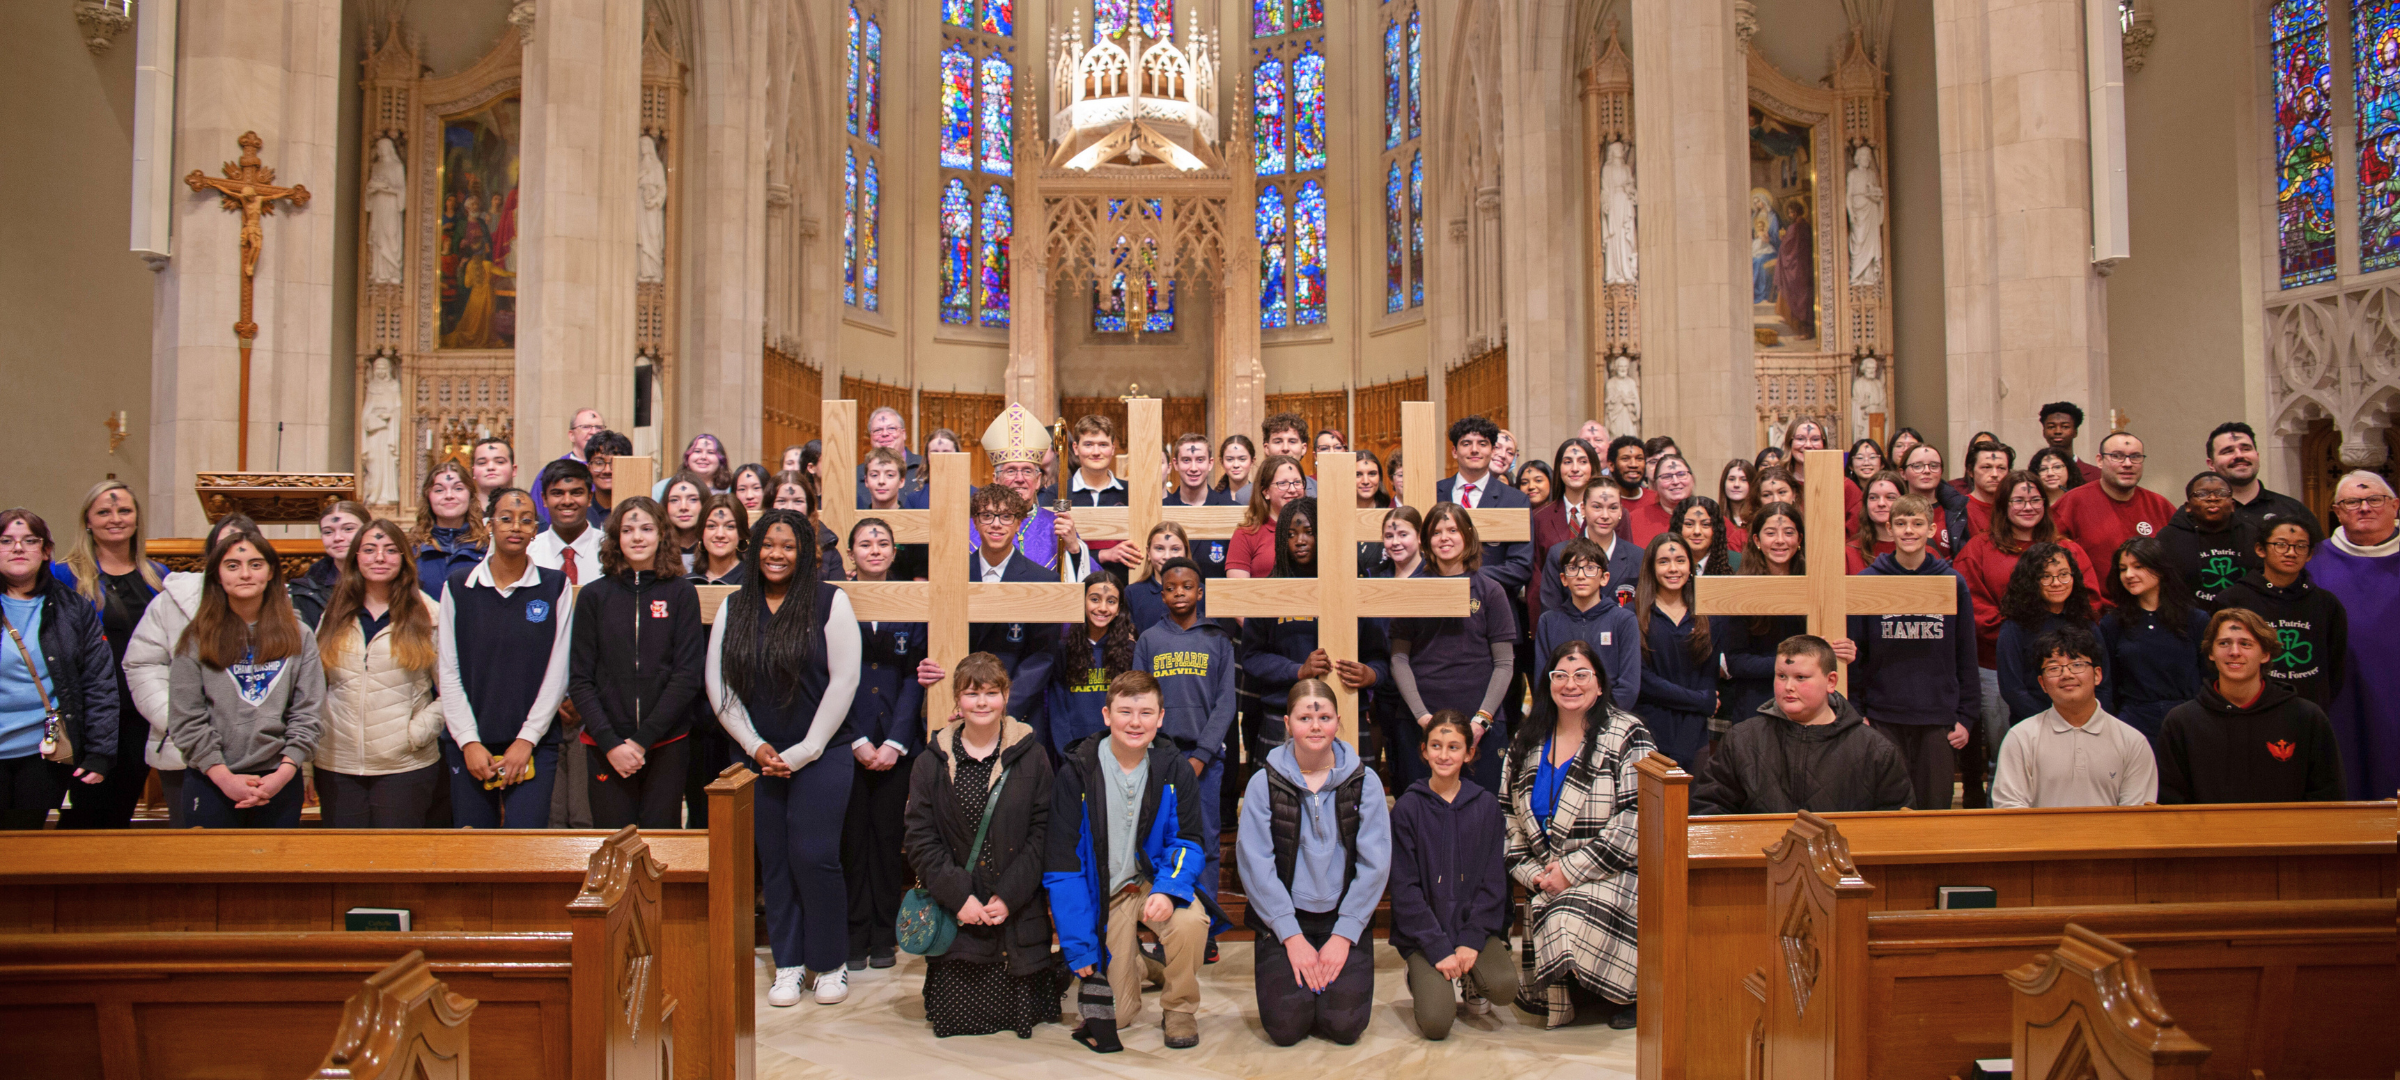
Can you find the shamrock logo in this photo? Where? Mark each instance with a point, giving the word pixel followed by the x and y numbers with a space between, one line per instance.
pixel 2296 653
pixel 2218 572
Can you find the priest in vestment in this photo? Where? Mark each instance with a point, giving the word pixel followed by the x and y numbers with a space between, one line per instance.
pixel 2360 565
pixel 1015 443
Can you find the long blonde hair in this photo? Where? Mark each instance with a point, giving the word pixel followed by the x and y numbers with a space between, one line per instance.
pixel 411 624
pixel 84 560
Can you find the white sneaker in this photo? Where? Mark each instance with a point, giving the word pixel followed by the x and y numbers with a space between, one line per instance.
pixel 832 987
pixel 786 991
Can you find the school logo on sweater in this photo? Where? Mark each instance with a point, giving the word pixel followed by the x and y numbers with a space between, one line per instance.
pixel 658 609
pixel 252 680
pixel 2142 527
pixel 900 640
pixel 537 610
pixel 2281 749
pixel 1216 552
pixel 2218 572
pixel 1192 662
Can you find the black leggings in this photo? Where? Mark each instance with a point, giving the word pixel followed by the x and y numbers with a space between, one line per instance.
pixel 651 798
pixel 30 788
pixel 1292 1012
pixel 391 801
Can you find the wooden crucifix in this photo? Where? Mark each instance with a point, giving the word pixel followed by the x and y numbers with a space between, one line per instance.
pixel 1826 594
pixel 248 188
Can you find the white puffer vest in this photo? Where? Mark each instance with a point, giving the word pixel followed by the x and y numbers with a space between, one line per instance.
pixel 380 718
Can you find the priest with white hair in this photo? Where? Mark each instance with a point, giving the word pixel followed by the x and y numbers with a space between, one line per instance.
pixel 2360 564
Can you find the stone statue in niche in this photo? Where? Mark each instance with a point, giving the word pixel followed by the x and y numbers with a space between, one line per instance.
pixel 379 436
pixel 1866 219
pixel 387 201
pixel 1620 258
pixel 1621 403
pixel 1867 401
pixel 650 233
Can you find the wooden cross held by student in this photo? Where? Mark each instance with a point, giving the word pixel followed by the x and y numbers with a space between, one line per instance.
pixel 1826 594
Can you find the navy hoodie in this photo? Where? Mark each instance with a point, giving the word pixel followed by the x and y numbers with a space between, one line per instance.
pixel 1609 630
pixel 1449 877
pixel 1917 669
pixel 1194 669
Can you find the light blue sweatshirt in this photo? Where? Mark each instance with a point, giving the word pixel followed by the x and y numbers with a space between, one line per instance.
pixel 1317 871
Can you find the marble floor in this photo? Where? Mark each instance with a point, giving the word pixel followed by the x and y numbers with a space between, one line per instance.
pixel 880 1034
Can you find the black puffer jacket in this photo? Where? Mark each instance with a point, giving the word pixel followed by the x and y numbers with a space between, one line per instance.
pixel 638 658
pixel 939 837
pixel 1770 765
pixel 83 681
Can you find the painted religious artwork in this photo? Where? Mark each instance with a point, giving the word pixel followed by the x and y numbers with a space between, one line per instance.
pixel 1783 248
pixel 477 253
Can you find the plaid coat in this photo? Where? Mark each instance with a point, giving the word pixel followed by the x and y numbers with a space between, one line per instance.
pixel 1588 933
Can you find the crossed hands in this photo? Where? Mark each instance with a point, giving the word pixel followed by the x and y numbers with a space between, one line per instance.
pixel 627 758
pixel 992 912
pixel 1457 964
pixel 875 758
pixel 1551 879
pixel 1313 968
pixel 249 792
pixel 509 767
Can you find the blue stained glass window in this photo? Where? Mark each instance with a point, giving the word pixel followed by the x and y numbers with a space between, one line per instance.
pixel 1108 294
pixel 1395 283
pixel 998 139
pixel 1267 18
pixel 958 108
pixel 958 278
pixel 1416 73
pixel 1274 304
pixel 1416 233
pixel 870 200
pixel 1308 110
pixel 849 226
pixel 959 13
pixel 1268 136
pixel 2303 143
pixel 870 84
pixel 850 85
pixel 2375 55
pixel 1308 255
pixel 1161 294
pixel 1110 18
pixel 1157 18
pixel 998 225
pixel 999 17
pixel 1307 14
pixel 1393 89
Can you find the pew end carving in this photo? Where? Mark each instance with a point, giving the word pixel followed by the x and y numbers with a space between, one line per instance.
pixel 622 1032
pixel 1819 903
pixel 404 1024
pixel 2088 1008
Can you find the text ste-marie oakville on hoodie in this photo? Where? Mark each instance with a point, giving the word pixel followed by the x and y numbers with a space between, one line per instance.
pixel 1194 669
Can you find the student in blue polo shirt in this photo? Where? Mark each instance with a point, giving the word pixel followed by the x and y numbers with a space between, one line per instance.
pixel 504 658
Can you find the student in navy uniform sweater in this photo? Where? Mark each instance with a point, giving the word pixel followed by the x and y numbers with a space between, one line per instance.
pixel 1463 663
pixel 1193 660
pixel 1167 541
pixel 1680 652
pixel 887 725
pixel 1592 615
pixel 504 662
pixel 1089 657
pixel 1025 649
pixel 783 668
pixel 2246 739
pixel 1279 652
pixel 634 673
pixel 1449 886
pixel 1475 486
pixel 1915 678
pixel 2151 640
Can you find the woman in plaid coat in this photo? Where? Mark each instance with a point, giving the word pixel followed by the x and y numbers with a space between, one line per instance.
pixel 1572 837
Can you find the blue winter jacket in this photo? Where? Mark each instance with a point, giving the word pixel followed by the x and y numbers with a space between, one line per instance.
pixel 1076 865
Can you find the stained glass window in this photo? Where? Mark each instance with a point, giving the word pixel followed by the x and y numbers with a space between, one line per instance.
pixel 1308 255
pixel 1416 73
pixel 1416 234
pixel 870 199
pixel 1108 295
pixel 999 17
pixel 849 226
pixel 2375 56
pixel 1267 18
pixel 1274 305
pixel 1160 294
pixel 1110 17
pixel 850 86
pixel 1308 110
pixel 1268 136
pixel 958 108
pixel 870 84
pixel 958 280
pixel 1157 17
pixel 993 260
pixel 1394 89
pixel 1307 14
pixel 998 143
pixel 959 13
pixel 1395 225
pixel 2303 142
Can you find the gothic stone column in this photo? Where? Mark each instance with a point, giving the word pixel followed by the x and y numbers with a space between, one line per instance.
pixel 1540 158
pixel 2023 305
pixel 1690 100
pixel 268 66
pixel 575 288
pixel 726 218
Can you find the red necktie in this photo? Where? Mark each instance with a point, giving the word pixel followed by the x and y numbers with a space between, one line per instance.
pixel 1469 500
pixel 567 557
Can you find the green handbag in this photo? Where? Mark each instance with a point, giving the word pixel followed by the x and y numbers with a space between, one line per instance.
pixel 925 927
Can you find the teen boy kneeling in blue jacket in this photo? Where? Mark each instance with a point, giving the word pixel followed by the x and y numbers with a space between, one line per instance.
pixel 1132 860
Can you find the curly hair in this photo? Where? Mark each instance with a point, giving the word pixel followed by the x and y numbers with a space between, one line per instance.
pixel 1116 639
pixel 2023 602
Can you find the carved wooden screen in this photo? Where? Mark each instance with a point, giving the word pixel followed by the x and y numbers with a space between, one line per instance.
pixel 871 396
pixel 1176 416
pixel 1378 414
pixel 1479 387
pixel 794 403
pixel 1322 409
pixel 966 414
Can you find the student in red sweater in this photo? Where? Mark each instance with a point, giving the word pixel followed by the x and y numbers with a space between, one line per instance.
pixel 1988 463
pixel 2102 516
pixel 1985 563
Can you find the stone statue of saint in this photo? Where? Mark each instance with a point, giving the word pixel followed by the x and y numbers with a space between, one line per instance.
pixel 387 199
pixel 1867 399
pixel 1621 402
pixel 379 436
pixel 650 233
pixel 1620 257
pixel 1866 219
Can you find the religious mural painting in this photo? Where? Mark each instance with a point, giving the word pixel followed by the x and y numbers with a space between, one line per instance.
pixel 1783 212
pixel 477 243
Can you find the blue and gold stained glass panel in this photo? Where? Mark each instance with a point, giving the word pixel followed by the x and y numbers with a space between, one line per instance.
pixel 958 278
pixel 997 139
pixel 1308 255
pixel 958 108
pixel 1269 138
pixel 1308 110
pixel 2375 59
pixel 998 225
pixel 1274 235
pixel 2304 224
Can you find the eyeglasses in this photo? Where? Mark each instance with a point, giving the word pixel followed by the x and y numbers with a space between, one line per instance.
pixel 1581 570
pixel 1577 678
pixel 2034 503
pixel 2074 667
pixel 2368 503
pixel 2288 547
pixel 2061 577
pixel 1289 485
pixel 2125 459
pixel 20 543
pixel 1924 466
pixel 995 519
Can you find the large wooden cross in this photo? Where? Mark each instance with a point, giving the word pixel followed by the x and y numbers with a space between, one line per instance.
pixel 1826 594
pixel 247 188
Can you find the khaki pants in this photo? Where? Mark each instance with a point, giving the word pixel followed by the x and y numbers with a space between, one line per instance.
pixel 1184 939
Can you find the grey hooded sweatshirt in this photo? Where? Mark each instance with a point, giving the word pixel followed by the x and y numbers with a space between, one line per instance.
pixel 248 717
pixel 1317 871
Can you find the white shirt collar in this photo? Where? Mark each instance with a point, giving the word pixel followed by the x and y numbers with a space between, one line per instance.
pixel 2096 724
pixel 985 568
pixel 545 549
pixel 2391 546
pixel 1075 483
pixel 482 575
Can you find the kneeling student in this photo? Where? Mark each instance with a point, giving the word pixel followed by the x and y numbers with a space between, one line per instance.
pixel 1450 883
pixel 2048 761
pixel 1315 850
pixel 1130 859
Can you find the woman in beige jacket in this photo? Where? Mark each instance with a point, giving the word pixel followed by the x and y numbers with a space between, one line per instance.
pixel 377 764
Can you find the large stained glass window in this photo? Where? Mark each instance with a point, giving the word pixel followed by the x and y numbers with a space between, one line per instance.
pixel 870 198
pixel 862 88
pixel 849 227
pixel 1308 110
pixel 1291 137
pixel 1416 74
pixel 999 150
pixel 1395 241
pixel 958 108
pixel 1274 236
pixel 993 257
pixel 995 17
pixel 2375 61
pixel 1403 158
pixel 850 86
pixel 958 281
pixel 1268 135
pixel 870 84
pixel 976 144
pixel 1308 255
pixel 2303 143
pixel 1395 85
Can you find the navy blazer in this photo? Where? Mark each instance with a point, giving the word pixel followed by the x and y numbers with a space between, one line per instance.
pixel 1508 564
pixel 1624 572
pixel 890 706
pixel 1026 648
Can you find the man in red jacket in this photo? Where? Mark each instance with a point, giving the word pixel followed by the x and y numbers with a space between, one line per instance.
pixel 2102 516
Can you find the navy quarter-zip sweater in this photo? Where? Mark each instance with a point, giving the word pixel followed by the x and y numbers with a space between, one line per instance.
pixel 1917 669
pixel 889 706
pixel 2152 669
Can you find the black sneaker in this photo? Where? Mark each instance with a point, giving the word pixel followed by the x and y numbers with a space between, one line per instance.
pixel 1625 1020
pixel 1212 952
pixel 882 958
pixel 857 963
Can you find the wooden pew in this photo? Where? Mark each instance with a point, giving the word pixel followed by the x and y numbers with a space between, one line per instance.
pixel 1707 922
pixel 167 898
pixel 404 1024
pixel 2088 1009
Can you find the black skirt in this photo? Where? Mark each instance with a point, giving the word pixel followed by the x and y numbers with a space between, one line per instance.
pixel 963 998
